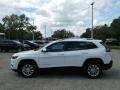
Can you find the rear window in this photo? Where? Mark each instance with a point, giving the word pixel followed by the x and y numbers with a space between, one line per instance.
pixel 90 45
pixel 71 46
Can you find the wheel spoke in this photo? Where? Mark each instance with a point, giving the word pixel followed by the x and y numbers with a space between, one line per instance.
pixel 93 70
pixel 28 70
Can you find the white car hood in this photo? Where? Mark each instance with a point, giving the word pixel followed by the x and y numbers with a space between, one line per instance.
pixel 25 53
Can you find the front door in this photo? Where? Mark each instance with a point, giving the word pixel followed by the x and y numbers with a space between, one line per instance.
pixel 54 56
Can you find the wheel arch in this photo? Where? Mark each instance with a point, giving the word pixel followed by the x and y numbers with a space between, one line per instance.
pixel 27 60
pixel 99 60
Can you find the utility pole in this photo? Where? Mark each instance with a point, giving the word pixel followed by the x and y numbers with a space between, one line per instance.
pixel 92 4
pixel 45 31
pixel 33 31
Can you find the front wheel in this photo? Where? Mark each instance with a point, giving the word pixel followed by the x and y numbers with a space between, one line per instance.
pixel 93 70
pixel 27 69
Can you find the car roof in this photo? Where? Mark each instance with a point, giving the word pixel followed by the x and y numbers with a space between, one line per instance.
pixel 76 39
pixel 79 39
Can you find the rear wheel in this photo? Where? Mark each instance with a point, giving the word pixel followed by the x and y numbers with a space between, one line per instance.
pixel 28 69
pixel 93 69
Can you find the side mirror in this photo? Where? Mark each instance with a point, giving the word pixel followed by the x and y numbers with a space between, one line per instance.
pixel 44 50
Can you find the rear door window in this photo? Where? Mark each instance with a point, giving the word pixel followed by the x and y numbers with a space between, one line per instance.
pixel 72 46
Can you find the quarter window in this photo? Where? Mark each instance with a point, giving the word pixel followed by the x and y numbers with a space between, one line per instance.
pixel 90 45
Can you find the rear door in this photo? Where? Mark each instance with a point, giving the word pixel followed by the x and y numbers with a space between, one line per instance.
pixel 73 53
pixel 76 52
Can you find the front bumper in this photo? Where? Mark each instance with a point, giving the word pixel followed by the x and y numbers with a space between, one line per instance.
pixel 107 66
pixel 12 68
pixel 13 64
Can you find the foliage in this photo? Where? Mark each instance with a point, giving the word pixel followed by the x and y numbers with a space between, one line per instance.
pixel 60 34
pixel 1 28
pixel 18 27
pixel 86 34
pixel 113 47
pixel 103 32
pixel 115 28
pixel 37 35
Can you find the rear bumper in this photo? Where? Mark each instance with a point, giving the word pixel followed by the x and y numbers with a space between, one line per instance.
pixel 107 66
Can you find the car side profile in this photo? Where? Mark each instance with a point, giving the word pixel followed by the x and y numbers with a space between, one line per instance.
pixel 31 44
pixel 90 55
pixel 7 45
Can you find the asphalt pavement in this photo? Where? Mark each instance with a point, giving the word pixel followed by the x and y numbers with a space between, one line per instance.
pixel 74 80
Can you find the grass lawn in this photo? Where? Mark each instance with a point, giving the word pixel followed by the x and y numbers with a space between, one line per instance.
pixel 113 46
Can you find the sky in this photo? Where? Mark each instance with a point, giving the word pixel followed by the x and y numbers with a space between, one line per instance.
pixel 73 15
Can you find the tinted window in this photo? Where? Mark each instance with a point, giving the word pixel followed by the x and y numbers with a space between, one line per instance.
pixel 90 45
pixel 71 46
pixel 17 42
pixel 56 47
pixel 8 42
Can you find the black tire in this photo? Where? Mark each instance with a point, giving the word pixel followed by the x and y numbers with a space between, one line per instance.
pixel 93 69
pixel 28 69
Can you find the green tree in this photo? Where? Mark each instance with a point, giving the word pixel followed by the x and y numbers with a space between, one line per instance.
pixel 115 28
pixel 100 32
pixel 10 24
pixel 17 26
pixel 60 34
pixel 38 35
pixel 1 28
pixel 86 34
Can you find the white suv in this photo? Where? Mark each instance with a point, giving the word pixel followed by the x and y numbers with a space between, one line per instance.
pixel 90 55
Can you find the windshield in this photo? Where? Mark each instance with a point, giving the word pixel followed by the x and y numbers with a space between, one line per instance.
pixel 17 42
pixel 31 41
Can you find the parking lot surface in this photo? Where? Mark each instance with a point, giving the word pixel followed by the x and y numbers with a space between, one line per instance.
pixel 9 80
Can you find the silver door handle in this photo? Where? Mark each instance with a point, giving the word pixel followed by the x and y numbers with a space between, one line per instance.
pixel 61 54
pixel 85 53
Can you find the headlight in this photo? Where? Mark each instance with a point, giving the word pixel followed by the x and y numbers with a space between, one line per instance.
pixel 14 57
